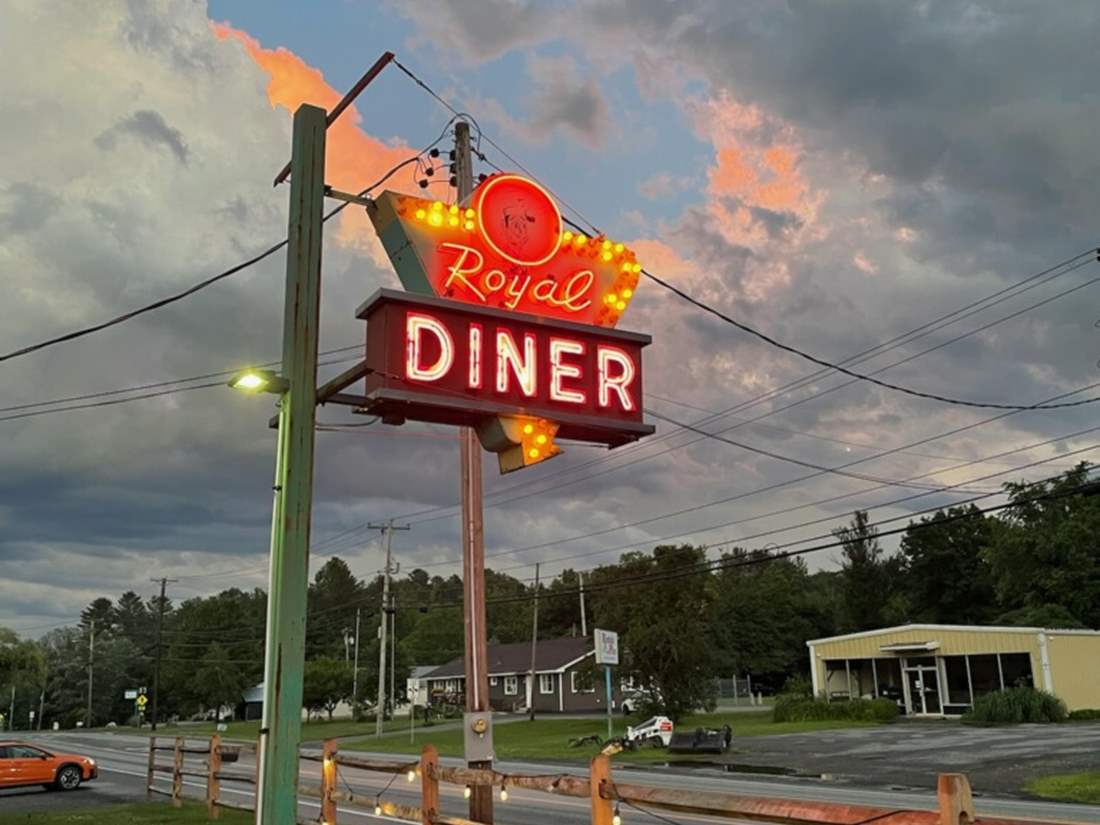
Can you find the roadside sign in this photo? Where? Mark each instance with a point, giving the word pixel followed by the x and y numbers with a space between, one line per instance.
pixel 607 647
pixel 130 694
pixel 141 700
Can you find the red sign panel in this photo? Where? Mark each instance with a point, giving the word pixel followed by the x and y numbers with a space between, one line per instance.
pixel 509 250
pixel 447 362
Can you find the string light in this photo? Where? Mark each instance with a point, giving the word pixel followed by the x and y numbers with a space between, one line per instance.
pixel 467 792
pixel 616 819
pixel 378 805
pixel 411 775
pixel 503 793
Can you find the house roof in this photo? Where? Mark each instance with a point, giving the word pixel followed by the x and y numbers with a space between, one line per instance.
pixel 932 628
pixel 551 656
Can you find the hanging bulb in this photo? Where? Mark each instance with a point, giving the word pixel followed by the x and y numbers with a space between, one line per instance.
pixel 434 152
pixel 503 794
pixel 482 178
pixel 378 806
pixel 467 792
pixel 411 775
pixel 616 819
pixel 423 183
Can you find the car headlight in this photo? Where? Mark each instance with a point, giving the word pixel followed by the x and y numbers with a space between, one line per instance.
pixel 90 762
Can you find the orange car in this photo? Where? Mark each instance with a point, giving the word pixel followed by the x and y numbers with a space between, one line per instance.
pixel 25 764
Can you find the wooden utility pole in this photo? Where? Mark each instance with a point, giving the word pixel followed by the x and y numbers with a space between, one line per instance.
pixel 534 645
pixel 91 672
pixel 284 649
pixel 387 529
pixel 473 539
pixel 584 617
pixel 160 636
pixel 355 671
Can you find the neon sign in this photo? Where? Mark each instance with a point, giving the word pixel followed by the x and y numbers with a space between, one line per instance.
pixel 508 250
pixel 514 333
pixel 448 362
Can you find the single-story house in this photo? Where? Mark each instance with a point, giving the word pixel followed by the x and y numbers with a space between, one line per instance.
pixel 939 670
pixel 567 680
pixel 416 685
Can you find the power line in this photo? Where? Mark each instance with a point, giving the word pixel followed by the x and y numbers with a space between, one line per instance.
pixel 821 362
pixel 201 285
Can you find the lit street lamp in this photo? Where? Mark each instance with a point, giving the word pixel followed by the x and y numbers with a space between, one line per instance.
pixel 251 380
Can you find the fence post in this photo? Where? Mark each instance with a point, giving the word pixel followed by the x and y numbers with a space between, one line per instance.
pixel 599 775
pixel 177 773
pixel 429 784
pixel 328 783
pixel 213 784
pixel 149 771
pixel 955 798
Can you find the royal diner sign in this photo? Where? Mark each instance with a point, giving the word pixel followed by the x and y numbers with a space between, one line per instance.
pixel 507 324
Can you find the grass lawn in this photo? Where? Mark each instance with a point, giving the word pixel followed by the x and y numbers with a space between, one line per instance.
pixel 152 813
pixel 1068 787
pixel 548 738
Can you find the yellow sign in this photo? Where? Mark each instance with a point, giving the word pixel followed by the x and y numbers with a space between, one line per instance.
pixel 141 700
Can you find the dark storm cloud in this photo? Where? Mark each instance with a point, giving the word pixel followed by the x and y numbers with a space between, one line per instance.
pixel 24 207
pixel 150 128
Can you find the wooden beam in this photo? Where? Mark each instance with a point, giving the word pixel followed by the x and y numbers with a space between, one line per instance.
pixel 341 381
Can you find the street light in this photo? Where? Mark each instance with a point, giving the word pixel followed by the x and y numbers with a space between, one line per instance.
pixel 252 380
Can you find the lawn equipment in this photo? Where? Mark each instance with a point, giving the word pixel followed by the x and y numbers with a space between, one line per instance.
pixel 702 740
pixel 654 732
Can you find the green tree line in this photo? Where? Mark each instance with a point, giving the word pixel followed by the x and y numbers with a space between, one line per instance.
pixel 682 623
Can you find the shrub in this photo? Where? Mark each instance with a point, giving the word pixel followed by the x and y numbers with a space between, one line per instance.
pixel 1084 714
pixel 797 686
pixel 1022 704
pixel 793 708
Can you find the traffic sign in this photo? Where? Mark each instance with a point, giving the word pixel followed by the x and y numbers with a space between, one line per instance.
pixel 130 694
pixel 141 700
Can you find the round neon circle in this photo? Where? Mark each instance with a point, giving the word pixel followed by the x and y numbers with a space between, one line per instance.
pixel 518 219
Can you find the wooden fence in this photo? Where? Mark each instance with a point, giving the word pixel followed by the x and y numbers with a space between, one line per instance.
pixel 606 796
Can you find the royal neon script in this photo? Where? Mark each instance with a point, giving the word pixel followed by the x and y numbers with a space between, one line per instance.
pixel 509 363
pixel 467 271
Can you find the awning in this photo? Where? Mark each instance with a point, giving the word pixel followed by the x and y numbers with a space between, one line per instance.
pixel 910 647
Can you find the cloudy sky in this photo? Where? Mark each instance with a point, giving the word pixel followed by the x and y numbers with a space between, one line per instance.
pixel 837 175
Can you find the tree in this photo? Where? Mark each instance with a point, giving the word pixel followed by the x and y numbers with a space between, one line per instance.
pixel 102 612
pixel 334 596
pixel 762 615
pixel 663 626
pixel 327 683
pixel 218 680
pixel 866 583
pixel 133 619
pixel 947 576
pixel 1044 550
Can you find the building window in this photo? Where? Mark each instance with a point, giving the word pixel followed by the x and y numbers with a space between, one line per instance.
pixel 985 674
pixel 958 680
pixel 546 683
pixel 581 682
pixel 511 685
pixel 1016 670
pixel 493 681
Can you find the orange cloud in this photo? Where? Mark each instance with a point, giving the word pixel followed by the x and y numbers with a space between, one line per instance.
pixel 353 159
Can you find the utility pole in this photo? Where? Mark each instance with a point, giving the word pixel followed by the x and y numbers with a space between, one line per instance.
pixel 584 618
pixel 11 710
pixel 534 643
pixel 473 545
pixel 160 631
pixel 355 670
pixel 91 666
pixel 393 649
pixel 284 646
pixel 387 529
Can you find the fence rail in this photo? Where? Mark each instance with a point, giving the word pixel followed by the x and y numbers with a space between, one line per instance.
pixel 954 797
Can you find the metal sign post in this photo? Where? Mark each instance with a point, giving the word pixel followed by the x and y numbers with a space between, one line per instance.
pixel 607 654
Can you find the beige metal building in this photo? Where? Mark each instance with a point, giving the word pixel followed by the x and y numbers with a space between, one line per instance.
pixel 938 670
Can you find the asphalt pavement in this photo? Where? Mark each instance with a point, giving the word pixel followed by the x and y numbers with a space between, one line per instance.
pixel 122 760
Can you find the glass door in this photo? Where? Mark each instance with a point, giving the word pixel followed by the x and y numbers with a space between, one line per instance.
pixel 923 683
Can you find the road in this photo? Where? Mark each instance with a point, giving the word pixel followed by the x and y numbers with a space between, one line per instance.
pixel 122 760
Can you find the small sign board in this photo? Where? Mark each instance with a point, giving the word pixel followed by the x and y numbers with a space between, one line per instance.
pixel 130 694
pixel 607 647
pixel 141 700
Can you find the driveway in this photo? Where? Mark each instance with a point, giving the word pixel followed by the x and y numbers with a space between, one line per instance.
pixel 998 760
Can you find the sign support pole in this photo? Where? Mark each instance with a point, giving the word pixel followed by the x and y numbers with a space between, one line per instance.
pixel 607 682
pixel 473 541
pixel 284 650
